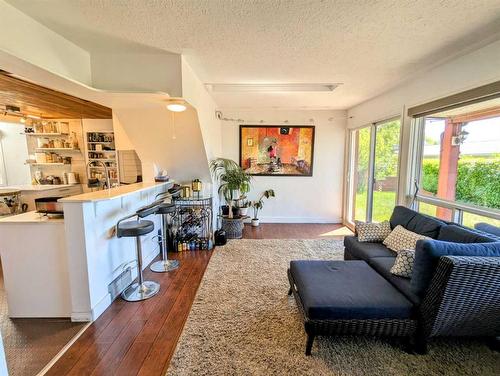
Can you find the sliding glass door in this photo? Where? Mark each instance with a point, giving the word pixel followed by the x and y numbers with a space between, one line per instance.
pixel 386 161
pixel 359 170
pixel 373 171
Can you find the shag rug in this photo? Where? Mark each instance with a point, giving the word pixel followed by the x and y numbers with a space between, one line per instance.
pixel 243 323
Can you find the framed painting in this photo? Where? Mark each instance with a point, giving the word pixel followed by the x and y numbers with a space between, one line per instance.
pixel 276 150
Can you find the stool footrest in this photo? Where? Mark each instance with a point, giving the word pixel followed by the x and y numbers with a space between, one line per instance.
pixel 163 266
pixel 136 292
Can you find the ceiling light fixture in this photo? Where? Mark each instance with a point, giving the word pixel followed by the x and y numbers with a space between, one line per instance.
pixel 34 117
pixel 176 106
pixel 283 87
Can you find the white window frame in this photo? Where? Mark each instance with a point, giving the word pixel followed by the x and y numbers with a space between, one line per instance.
pixel 457 208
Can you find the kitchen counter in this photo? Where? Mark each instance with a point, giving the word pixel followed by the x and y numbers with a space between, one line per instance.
pixel 117 192
pixel 31 217
pixel 35 266
pixel 55 267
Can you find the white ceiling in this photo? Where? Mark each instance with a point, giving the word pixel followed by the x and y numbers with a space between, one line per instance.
pixel 368 45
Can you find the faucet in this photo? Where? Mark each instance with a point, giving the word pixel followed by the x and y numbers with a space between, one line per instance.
pixel 96 181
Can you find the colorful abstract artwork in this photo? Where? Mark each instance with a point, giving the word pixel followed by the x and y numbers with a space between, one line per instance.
pixel 277 150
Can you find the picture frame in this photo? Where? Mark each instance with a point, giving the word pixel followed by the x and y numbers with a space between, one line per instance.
pixel 277 150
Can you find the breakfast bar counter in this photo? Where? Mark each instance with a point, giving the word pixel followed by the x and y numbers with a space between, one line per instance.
pixel 74 266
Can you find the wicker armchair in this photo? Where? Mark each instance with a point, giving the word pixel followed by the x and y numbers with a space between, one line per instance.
pixel 463 299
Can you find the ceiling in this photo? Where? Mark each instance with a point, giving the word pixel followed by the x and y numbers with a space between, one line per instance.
pixel 370 46
pixel 47 103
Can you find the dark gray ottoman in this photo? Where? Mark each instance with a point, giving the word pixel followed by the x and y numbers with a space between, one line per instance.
pixel 348 297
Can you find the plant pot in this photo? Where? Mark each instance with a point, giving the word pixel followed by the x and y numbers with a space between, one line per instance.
pixel 233 227
pixel 243 211
pixel 225 210
pixel 255 222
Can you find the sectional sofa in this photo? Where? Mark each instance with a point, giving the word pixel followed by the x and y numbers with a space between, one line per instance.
pixel 454 289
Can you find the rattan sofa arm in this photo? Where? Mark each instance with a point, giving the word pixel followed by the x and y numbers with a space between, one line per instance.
pixel 463 298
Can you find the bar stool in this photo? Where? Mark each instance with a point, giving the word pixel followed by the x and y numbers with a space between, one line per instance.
pixel 165 265
pixel 141 289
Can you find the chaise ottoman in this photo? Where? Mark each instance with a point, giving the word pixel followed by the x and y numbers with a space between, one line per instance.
pixel 346 298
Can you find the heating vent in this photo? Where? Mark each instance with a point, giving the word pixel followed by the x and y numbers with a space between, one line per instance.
pixel 119 283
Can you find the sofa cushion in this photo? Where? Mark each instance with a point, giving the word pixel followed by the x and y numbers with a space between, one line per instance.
pixel 401 238
pixel 428 253
pixel 459 234
pixel 363 251
pixel 383 266
pixel 489 229
pixel 346 290
pixel 403 265
pixel 416 222
pixel 372 232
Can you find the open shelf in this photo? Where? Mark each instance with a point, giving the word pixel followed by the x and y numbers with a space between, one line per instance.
pixel 46 134
pixel 59 149
pixel 49 164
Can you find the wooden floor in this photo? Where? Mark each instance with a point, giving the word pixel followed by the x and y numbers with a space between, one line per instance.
pixel 140 338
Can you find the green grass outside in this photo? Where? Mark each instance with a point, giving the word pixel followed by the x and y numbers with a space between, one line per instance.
pixel 383 205
pixel 384 202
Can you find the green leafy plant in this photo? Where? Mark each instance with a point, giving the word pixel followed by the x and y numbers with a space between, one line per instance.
pixel 477 180
pixel 259 204
pixel 231 179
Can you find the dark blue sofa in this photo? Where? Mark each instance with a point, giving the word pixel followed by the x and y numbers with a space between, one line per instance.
pixel 454 289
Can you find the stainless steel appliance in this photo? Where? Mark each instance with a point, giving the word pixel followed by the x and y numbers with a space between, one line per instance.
pixel 49 205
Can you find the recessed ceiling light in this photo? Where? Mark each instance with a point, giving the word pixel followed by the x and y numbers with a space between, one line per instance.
pixel 176 106
pixel 284 87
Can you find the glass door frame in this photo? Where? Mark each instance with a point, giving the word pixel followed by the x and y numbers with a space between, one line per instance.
pixel 350 195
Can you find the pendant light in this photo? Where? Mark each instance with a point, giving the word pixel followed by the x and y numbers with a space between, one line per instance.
pixel 175 105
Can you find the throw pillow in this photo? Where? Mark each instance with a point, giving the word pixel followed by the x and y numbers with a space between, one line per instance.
pixel 400 238
pixel 372 232
pixel 403 266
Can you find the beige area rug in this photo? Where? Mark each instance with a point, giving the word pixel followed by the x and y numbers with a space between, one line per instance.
pixel 243 323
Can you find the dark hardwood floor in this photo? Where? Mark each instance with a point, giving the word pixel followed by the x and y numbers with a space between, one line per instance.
pixel 140 338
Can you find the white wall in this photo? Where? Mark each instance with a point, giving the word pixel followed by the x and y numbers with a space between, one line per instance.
pixel 313 199
pixel 29 40
pixel 466 72
pixel 196 94
pixel 141 72
pixel 151 133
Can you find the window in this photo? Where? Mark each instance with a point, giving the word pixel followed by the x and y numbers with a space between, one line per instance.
pixel 460 163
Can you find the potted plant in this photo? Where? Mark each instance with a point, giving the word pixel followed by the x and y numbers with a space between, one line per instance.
pixel 258 205
pixel 243 207
pixel 233 182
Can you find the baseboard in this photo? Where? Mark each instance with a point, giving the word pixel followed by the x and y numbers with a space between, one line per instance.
pixel 300 220
pixel 81 316
pixel 106 301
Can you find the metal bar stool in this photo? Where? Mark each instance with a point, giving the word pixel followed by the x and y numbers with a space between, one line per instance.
pixel 165 265
pixel 141 289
